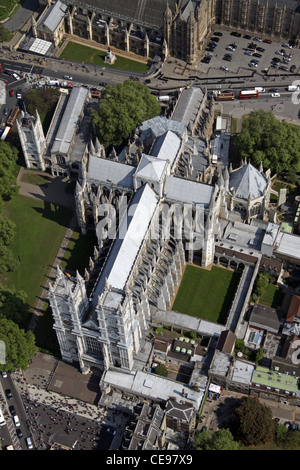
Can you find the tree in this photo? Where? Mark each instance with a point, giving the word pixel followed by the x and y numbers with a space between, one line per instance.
pixel 265 139
pixel 8 177
pixel 261 283
pixel 13 305
pixel 43 100
pixel 5 35
pixel 19 346
pixel 220 440
pixel 121 110
pixel 252 423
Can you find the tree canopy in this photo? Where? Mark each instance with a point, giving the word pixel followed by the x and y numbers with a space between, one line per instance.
pixel 219 440
pixel 121 110
pixel 252 422
pixel 44 100
pixel 265 139
pixel 8 180
pixel 19 346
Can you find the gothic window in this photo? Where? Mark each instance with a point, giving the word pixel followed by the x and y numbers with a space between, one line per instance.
pixel 92 346
pixel 60 159
pixel 255 210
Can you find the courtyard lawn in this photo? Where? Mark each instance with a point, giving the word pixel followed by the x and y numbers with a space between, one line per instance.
pixel 273 296
pixel 79 53
pixel 206 294
pixel 40 228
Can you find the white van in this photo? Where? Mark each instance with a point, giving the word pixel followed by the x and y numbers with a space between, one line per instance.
pixel 2 420
pixel 259 89
pixel 17 421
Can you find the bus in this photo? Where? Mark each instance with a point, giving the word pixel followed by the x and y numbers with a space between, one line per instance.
pixel 224 96
pixel 5 133
pixel 13 116
pixel 248 94
pixel 2 420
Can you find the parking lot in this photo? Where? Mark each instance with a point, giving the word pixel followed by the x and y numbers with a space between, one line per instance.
pixel 239 65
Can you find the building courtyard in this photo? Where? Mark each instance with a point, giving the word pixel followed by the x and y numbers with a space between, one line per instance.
pixel 206 293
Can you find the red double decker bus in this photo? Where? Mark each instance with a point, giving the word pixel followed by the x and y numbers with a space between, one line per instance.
pixel 248 94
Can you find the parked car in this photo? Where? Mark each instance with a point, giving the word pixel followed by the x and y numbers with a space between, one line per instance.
pixel 12 410
pixel 267 41
pixel 217 33
pixel 68 77
pixel 248 53
pixel 237 35
pixel 257 55
pixel 246 36
pixel 283 67
pixel 19 95
pixel 19 433
pixel 257 39
pixel 4 374
pixel 29 443
pixel 8 393
pixel 279 52
pixel 292 68
pixel 16 76
pixel 260 49
pixel 215 39
pixel 11 92
pixel 275 95
pixel 287 46
pixel 223 67
pixel 102 84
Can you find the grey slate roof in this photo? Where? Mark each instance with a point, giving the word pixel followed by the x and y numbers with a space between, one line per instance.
pixel 104 170
pixel 70 121
pixel 166 147
pixel 247 180
pixel 151 168
pixel 132 232
pixel 147 12
pixel 54 15
pixel 182 190
pixel 188 106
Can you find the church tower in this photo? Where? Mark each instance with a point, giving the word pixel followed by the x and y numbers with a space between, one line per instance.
pixel 32 140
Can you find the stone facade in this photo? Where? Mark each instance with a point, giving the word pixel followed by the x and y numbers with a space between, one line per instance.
pixel 176 28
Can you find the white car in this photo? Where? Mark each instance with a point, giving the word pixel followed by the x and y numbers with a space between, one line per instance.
pixel 275 95
pixel 68 77
pixel 279 53
pixel 16 76
pixel 4 375
pixel 287 45
pixel 29 443
pixel 224 68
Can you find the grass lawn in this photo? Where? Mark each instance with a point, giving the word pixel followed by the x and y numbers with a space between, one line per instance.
pixel 35 178
pixel 206 294
pixel 273 296
pixel 88 55
pixel 77 254
pixel 40 228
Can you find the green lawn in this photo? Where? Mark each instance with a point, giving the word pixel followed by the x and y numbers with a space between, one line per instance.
pixel 206 294
pixel 78 252
pixel 40 230
pixel 88 55
pixel 273 296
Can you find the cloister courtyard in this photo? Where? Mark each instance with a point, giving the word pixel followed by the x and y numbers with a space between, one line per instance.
pixel 206 293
